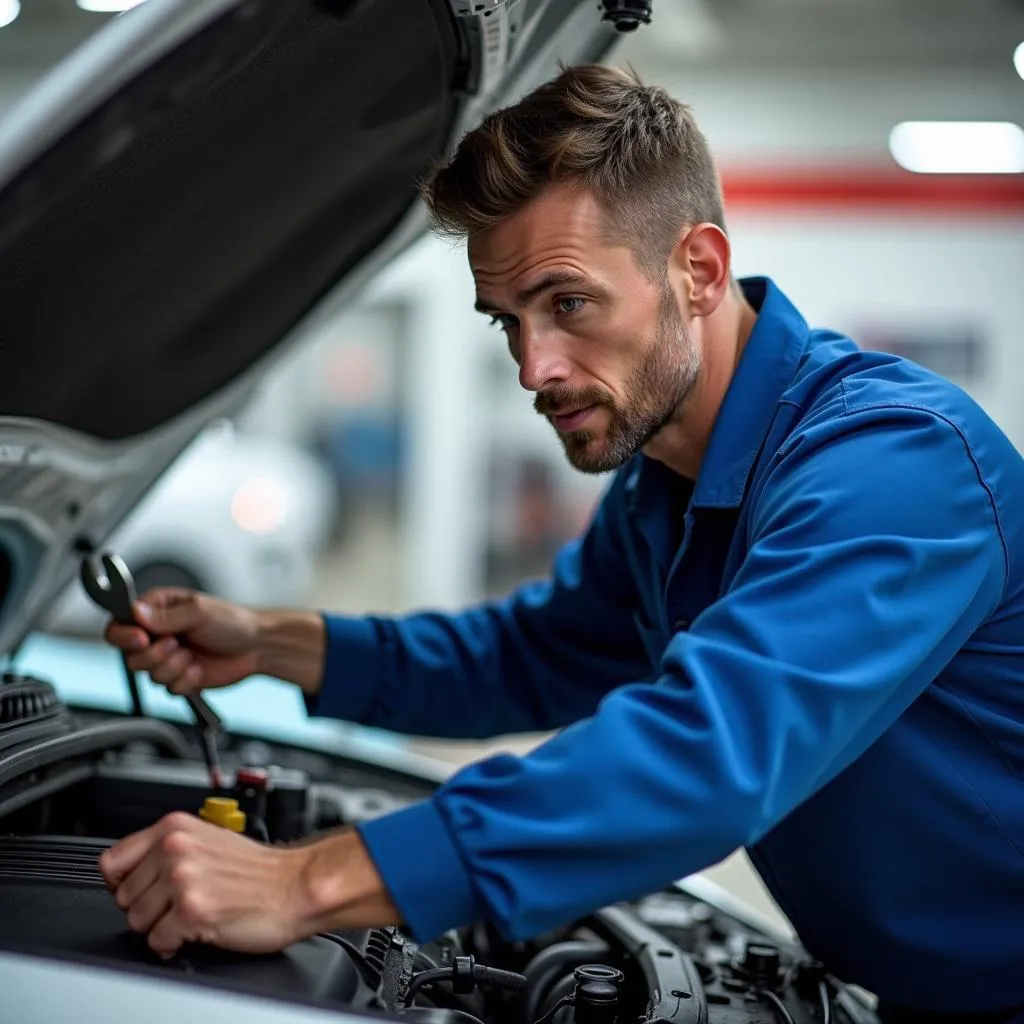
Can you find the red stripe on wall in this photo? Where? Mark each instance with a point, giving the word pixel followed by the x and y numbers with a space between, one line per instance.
pixel 855 189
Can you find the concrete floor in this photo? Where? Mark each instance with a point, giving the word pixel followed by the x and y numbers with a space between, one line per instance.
pixel 364 574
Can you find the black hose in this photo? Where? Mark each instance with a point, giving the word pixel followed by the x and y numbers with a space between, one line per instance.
pixel 464 970
pixel 826 1002
pixel 564 1001
pixel 494 977
pixel 553 963
pixel 426 978
pixel 779 1005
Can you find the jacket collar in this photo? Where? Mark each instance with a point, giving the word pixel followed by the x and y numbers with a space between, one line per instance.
pixel 765 370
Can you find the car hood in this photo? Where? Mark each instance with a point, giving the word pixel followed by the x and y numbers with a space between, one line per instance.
pixel 188 194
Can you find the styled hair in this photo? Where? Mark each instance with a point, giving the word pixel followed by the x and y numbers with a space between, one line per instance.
pixel 633 146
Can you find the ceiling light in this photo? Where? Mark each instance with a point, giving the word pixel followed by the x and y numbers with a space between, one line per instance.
pixel 1018 60
pixel 958 147
pixel 9 10
pixel 107 6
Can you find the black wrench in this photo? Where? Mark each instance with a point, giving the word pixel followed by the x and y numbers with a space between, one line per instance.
pixel 109 584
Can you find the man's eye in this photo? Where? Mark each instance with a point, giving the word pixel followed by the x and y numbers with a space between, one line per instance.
pixel 570 304
pixel 503 320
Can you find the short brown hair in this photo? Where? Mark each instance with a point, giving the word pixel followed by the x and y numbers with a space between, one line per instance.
pixel 636 148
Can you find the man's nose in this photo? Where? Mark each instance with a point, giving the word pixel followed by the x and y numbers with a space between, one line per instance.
pixel 542 361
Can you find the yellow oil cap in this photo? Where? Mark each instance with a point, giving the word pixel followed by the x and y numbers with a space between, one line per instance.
pixel 223 811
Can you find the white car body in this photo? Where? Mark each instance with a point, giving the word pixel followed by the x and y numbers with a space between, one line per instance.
pixel 238 515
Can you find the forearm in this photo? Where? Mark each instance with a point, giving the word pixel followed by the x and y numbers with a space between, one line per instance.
pixel 291 647
pixel 535 662
pixel 539 660
pixel 340 887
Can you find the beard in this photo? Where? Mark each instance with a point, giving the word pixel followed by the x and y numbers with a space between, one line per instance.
pixel 653 393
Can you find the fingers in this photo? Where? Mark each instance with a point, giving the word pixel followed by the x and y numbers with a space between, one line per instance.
pixel 190 681
pixel 171 667
pixel 125 856
pixel 168 610
pixel 145 870
pixel 201 883
pixel 147 908
pixel 153 657
pixel 176 668
pixel 126 638
pixel 166 661
pixel 168 936
pixel 160 894
pixel 142 878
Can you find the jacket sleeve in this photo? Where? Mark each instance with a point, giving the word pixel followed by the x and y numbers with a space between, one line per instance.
pixel 875 553
pixel 539 659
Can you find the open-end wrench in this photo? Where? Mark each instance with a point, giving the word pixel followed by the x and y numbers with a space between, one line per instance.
pixel 109 584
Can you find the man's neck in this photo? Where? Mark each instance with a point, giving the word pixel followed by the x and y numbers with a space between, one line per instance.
pixel 683 441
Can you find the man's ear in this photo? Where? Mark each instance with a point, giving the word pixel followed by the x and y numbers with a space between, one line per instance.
pixel 702 257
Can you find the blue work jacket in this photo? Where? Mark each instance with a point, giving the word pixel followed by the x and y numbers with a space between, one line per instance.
pixel 815 652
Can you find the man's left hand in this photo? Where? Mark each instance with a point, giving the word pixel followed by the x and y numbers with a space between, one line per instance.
pixel 185 880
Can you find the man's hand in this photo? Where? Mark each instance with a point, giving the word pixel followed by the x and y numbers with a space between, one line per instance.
pixel 190 641
pixel 185 880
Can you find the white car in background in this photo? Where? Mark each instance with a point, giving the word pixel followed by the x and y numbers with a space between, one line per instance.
pixel 239 515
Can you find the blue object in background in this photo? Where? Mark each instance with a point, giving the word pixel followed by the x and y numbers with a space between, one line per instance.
pixel 365 452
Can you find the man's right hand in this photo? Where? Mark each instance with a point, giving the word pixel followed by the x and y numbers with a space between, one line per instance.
pixel 190 641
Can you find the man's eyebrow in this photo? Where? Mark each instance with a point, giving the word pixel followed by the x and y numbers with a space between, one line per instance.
pixel 550 280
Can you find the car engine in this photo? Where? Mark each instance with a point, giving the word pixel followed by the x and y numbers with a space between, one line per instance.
pixel 71 783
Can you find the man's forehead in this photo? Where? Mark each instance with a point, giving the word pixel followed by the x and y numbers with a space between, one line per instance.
pixel 558 221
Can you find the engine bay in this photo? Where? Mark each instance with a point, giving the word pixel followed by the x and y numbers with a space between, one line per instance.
pixel 73 782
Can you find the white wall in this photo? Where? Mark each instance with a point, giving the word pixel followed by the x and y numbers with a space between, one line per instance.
pixel 857 272
pixel 861 267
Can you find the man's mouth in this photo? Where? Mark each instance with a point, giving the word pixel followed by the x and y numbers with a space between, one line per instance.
pixel 567 422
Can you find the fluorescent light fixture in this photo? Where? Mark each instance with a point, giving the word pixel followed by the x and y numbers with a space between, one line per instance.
pixel 1018 60
pixel 958 147
pixel 108 6
pixel 9 10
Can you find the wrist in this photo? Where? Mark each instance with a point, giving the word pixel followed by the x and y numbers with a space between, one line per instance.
pixel 339 886
pixel 290 645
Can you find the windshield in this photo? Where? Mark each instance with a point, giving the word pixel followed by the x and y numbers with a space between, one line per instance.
pixel 89 674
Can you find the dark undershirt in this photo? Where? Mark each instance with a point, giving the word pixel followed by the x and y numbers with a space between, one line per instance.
pixel 680 492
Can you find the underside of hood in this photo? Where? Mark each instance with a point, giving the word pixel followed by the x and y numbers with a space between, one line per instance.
pixel 175 234
pixel 184 195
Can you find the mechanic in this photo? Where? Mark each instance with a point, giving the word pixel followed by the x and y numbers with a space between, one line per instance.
pixel 795 623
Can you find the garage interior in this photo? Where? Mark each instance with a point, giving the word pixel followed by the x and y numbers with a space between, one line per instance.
pixel 449 489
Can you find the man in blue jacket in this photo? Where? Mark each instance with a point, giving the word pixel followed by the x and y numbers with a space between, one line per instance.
pixel 795 624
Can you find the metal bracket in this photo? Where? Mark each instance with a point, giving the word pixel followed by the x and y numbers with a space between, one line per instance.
pixel 493 30
pixel 479 8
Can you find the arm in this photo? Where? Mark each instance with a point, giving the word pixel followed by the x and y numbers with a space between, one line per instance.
pixel 875 555
pixel 535 661
pixel 539 659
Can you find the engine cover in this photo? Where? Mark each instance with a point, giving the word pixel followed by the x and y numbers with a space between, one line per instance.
pixel 54 898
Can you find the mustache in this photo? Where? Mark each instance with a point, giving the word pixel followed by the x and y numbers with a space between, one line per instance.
pixel 560 399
